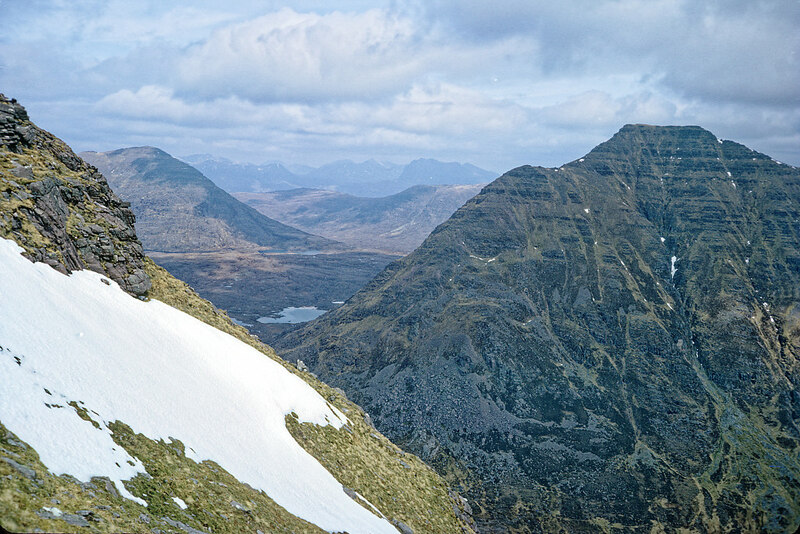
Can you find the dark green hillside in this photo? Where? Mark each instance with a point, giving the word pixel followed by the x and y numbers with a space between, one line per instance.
pixel 610 344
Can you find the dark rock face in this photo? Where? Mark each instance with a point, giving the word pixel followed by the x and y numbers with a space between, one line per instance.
pixel 60 209
pixel 611 342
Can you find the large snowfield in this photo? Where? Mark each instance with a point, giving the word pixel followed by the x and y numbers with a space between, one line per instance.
pixel 166 375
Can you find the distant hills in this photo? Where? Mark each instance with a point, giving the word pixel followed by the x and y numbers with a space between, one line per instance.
pixel 369 178
pixel 241 260
pixel 613 344
pixel 180 210
pixel 397 223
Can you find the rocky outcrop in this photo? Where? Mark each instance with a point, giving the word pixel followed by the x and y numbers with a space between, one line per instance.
pixel 60 209
pixel 608 344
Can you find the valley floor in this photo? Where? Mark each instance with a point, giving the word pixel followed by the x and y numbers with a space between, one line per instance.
pixel 250 286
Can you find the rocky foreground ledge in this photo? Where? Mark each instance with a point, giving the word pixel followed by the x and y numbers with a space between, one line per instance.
pixel 60 209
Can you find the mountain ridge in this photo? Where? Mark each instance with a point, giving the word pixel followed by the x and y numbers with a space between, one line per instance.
pixel 613 341
pixel 369 178
pixel 180 210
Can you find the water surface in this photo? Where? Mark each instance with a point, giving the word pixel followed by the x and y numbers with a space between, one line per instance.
pixel 293 315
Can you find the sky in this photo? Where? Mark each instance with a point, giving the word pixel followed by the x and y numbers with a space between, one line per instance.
pixel 498 84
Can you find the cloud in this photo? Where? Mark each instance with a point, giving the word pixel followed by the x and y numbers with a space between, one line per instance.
pixel 441 109
pixel 498 84
pixel 310 57
pixel 747 52
pixel 159 104
pixel 596 108
pixel 292 56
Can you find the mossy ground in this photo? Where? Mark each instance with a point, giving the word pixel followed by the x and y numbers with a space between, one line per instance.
pixel 399 484
pixel 216 502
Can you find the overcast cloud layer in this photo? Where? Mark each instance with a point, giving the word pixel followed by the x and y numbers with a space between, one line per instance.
pixel 498 84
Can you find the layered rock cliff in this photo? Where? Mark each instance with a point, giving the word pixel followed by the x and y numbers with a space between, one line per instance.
pixel 60 209
pixel 609 344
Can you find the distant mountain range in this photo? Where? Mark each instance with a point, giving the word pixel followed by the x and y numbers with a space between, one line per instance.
pixel 180 210
pixel 397 223
pixel 610 345
pixel 369 178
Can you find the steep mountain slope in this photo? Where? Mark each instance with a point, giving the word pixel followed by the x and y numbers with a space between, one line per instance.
pixel 180 210
pixel 397 223
pixel 610 344
pixel 124 414
pixel 60 209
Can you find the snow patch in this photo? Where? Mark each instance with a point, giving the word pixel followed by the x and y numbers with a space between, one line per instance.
pixel 662 239
pixel 374 509
pixel 672 268
pixel 182 505
pixel 164 374
pixel 586 210
pixel 487 260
